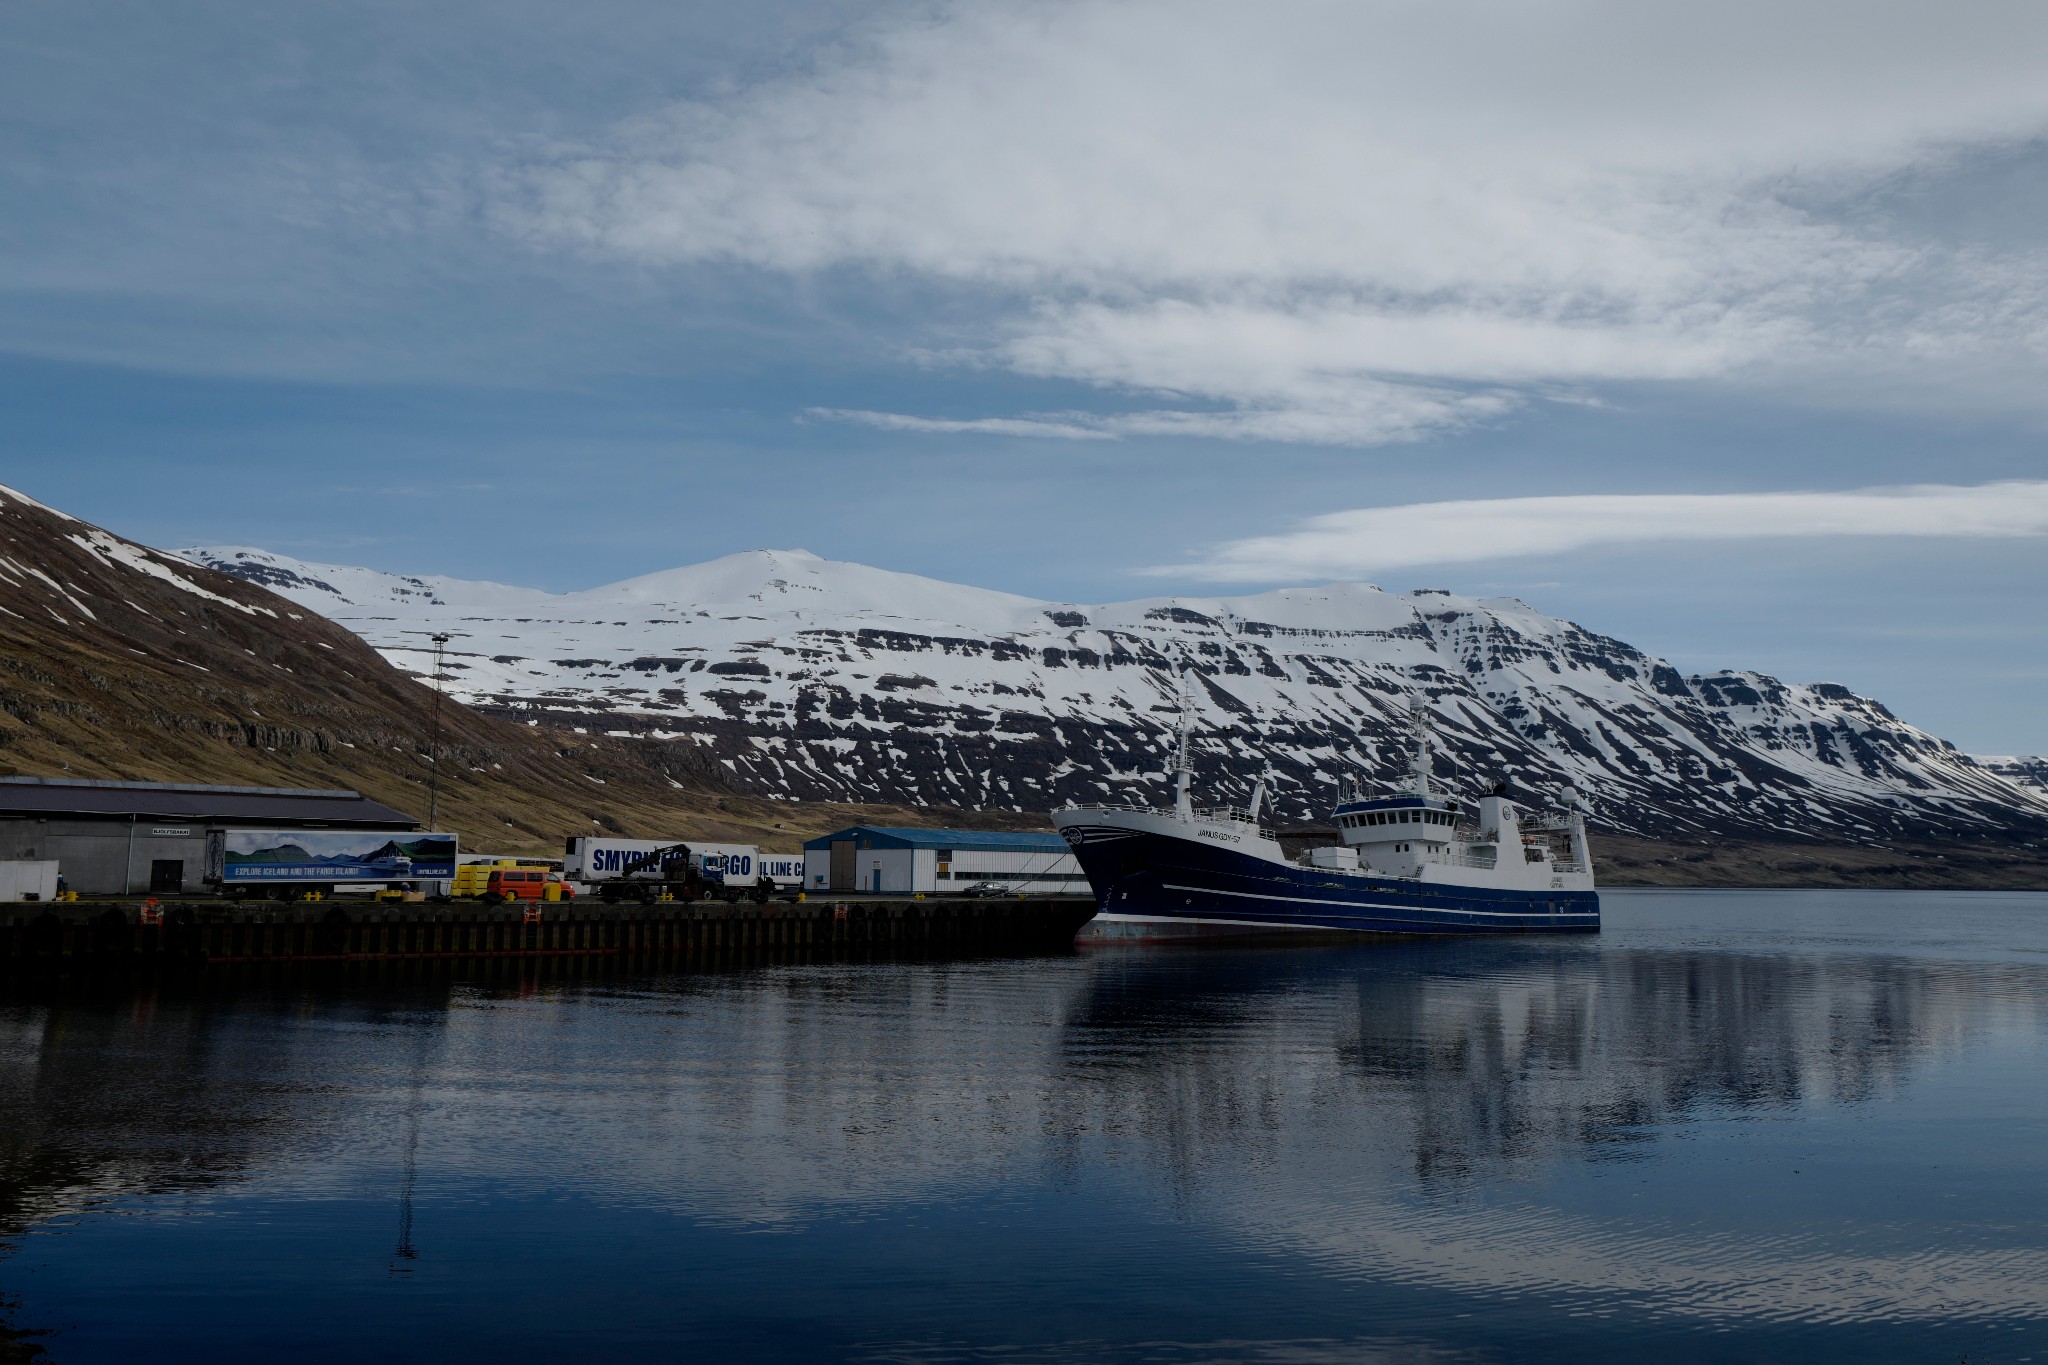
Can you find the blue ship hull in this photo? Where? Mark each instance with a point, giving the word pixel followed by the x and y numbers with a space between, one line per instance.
pixel 1149 875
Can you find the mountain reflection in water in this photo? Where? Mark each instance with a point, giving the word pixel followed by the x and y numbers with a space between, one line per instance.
pixel 1731 1126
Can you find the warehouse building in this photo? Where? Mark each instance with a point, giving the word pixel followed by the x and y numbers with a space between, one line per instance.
pixel 938 861
pixel 119 838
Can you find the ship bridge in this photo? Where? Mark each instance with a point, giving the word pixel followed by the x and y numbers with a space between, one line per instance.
pixel 1393 812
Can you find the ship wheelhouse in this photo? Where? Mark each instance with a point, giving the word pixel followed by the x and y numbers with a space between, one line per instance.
pixel 1405 819
pixel 1396 834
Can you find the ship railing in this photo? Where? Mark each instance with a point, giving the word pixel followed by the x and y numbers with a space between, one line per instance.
pixel 1472 860
pixel 1239 814
pixel 1547 822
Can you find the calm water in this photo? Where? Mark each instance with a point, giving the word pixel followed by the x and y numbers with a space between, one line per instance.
pixel 1732 1127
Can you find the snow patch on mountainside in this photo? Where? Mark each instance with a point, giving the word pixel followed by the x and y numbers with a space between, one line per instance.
pixel 2022 770
pixel 812 678
pixel 120 554
pixel 16 495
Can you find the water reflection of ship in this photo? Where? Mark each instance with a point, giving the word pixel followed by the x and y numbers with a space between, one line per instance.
pixel 1505 1053
pixel 1441 1084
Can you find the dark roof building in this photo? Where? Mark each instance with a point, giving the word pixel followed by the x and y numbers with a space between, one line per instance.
pixel 45 797
pixel 117 838
pixel 979 840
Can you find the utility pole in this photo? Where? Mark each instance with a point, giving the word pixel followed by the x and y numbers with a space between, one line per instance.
pixel 440 639
pixel 434 744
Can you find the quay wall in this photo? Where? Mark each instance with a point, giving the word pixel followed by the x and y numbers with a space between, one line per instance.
pixel 103 935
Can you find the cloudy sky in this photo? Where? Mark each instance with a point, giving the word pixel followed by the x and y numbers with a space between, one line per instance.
pixel 1718 328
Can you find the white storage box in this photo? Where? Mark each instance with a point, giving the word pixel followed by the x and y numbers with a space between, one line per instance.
pixel 28 881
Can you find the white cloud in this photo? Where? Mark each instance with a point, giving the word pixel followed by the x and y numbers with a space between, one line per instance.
pixel 1060 427
pixel 1328 218
pixel 1362 409
pixel 1369 539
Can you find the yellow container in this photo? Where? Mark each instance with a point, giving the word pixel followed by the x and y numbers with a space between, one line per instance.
pixel 473 879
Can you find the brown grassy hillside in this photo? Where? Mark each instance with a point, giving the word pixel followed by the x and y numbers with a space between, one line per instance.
pixel 1983 866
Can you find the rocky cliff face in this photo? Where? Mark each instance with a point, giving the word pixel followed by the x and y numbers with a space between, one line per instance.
pixel 810 679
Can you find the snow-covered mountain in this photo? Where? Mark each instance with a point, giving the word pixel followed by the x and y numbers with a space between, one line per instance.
pixel 815 679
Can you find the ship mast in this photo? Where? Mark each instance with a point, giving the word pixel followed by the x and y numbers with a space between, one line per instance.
pixel 1183 766
pixel 1419 729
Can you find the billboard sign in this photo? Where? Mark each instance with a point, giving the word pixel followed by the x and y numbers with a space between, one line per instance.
pixel 334 855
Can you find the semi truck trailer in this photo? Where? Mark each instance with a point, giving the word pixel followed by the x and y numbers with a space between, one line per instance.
pixel 738 869
pixel 287 863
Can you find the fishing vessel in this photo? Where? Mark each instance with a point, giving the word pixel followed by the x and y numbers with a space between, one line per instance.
pixel 1410 861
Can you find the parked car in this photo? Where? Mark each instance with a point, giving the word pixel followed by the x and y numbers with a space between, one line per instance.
pixel 987 889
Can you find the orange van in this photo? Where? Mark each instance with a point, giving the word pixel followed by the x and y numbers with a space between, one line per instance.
pixel 525 884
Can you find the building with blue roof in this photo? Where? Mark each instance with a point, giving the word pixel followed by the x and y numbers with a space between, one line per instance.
pixel 898 861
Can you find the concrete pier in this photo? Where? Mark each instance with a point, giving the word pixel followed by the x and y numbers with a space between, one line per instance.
pixel 113 935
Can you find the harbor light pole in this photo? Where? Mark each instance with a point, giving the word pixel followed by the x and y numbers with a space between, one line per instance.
pixel 440 639
pixel 434 744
